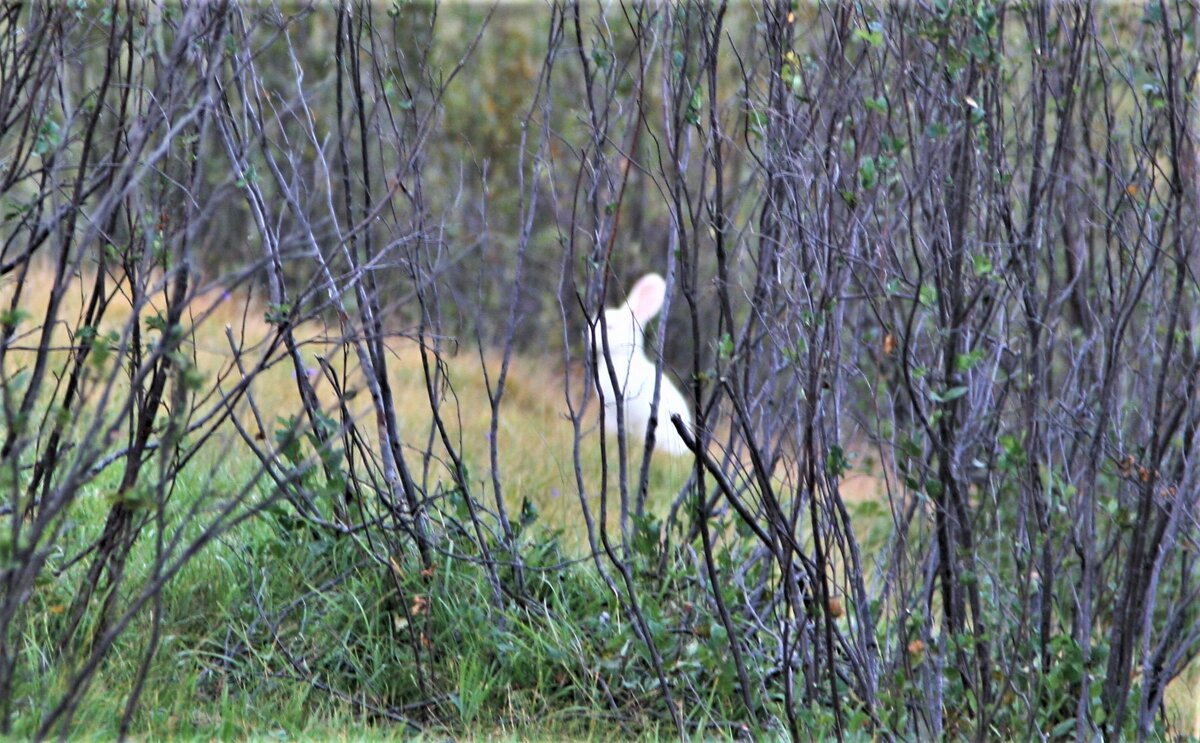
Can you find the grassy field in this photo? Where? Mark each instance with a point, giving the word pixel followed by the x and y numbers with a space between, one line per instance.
pixel 535 434
pixel 207 681
pixel 224 671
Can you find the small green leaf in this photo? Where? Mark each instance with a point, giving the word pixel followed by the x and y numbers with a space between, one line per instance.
pixel 250 176
pixel 157 322
pixel 529 512
pixel 725 346
pixel 954 393
pixel 967 361
pixel 278 313
pixel 949 395
pixel 868 175
pixel 757 122
pixel 695 105
pixel 11 318
pixel 836 462
pixel 47 138
pixel 872 37
pixel 288 441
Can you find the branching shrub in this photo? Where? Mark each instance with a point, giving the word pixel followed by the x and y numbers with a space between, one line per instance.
pixel 284 278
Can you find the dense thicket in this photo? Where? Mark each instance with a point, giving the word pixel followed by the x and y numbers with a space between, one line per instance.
pixel 948 244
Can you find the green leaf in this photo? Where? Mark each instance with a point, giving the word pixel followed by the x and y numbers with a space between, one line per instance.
pixel 278 313
pixel 250 176
pixel 872 37
pixel 725 346
pixel 11 318
pixel 529 512
pixel 47 138
pixel 836 462
pixel 157 322
pixel 757 121
pixel 695 106
pixel 967 361
pixel 868 174
pixel 949 395
pixel 102 347
pixel 289 442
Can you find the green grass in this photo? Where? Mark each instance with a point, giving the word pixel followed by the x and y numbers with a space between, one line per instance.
pixel 272 587
pixel 488 673
pixel 221 672
pixel 544 671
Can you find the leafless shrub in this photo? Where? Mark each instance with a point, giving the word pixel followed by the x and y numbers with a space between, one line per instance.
pixel 103 401
pixel 950 247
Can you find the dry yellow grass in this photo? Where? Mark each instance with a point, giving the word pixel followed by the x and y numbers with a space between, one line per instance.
pixel 534 436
